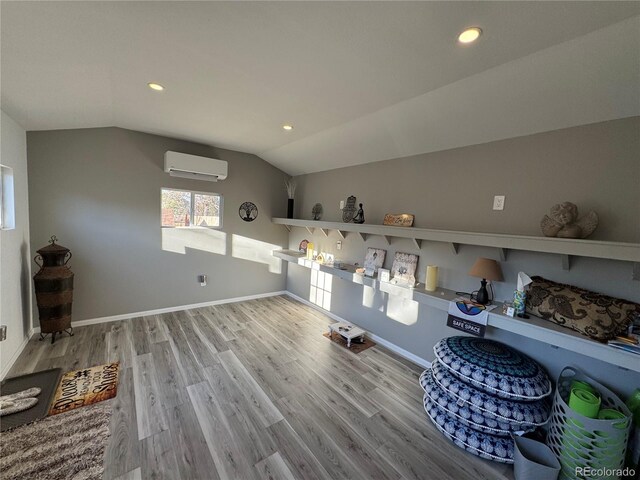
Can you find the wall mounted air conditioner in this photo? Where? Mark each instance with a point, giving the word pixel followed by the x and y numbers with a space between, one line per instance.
pixel 184 165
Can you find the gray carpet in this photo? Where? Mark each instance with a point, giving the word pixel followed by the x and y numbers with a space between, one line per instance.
pixel 66 446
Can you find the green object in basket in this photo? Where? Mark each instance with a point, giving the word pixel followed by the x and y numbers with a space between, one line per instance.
pixel 585 403
pixel 587 387
pixel 633 402
pixel 611 414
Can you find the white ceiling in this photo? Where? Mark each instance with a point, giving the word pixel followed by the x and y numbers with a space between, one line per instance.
pixel 360 81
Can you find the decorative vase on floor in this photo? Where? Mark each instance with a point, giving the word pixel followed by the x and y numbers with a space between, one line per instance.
pixel 290 208
pixel 54 289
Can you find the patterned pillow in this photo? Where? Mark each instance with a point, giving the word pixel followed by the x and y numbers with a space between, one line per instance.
pixel 598 316
pixel 484 445
pixel 448 405
pixel 520 416
pixel 493 367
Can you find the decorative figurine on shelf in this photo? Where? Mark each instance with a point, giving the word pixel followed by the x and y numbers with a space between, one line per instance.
pixel 316 211
pixel 563 222
pixel 359 218
pixel 349 209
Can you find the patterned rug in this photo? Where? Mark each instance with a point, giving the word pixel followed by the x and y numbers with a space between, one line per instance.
pixel 355 347
pixel 85 387
pixel 66 446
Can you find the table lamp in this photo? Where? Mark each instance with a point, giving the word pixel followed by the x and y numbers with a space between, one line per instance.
pixel 486 269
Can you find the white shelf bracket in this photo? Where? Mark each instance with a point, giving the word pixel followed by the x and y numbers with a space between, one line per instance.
pixel 636 271
pixel 342 234
pixel 566 262
pixel 387 239
pixel 454 248
pixel 503 252
pixel 417 242
pixel 363 236
pixel 325 231
pixel 310 230
pixel 288 227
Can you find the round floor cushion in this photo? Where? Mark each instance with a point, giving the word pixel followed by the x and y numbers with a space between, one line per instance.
pixel 492 447
pixel 493 367
pixel 521 416
pixel 461 412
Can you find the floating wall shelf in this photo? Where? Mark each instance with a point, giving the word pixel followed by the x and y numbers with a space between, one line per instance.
pixel 565 247
pixel 533 327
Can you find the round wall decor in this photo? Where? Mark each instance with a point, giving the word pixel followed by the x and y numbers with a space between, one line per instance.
pixel 248 211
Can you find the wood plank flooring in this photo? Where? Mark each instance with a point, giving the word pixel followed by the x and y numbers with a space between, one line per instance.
pixel 253 390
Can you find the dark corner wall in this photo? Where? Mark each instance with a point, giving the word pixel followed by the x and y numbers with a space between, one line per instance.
pixel 595 166
pixel 98 191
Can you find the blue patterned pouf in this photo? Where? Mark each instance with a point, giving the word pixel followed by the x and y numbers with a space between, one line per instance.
pixel 522 416
pixel 493 367
pixel 471 416
pixel 492 447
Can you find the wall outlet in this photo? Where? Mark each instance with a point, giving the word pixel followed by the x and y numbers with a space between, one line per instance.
pixel 202 279
pixel 3 332
pixel 339 244
pixel 498 202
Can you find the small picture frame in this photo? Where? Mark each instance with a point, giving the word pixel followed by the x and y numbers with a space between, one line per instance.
pixel 374 259
pixel 384 275
pixel 508 310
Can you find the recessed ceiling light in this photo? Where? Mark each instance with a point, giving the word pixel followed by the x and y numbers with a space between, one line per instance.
pixel 470 35
pixel 155 86
pixel 287 127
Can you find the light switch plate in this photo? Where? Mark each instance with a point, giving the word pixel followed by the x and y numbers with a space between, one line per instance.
pixel 498 202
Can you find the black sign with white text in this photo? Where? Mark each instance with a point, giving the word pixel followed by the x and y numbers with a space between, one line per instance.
pixel 466 326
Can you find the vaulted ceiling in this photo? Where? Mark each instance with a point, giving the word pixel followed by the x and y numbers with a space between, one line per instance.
pixel 359 81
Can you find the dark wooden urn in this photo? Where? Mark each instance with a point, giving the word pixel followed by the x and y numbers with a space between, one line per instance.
pixel 54 289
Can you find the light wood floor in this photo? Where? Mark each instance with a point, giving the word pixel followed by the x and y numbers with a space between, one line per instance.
pixel 253 390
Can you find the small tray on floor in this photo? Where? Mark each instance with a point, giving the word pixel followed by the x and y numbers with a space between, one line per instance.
pixel 47 380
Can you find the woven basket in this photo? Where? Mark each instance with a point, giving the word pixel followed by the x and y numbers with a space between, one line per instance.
pixel 581 442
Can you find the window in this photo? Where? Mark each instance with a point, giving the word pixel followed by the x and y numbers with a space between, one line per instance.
pixel 7 206
pixel 183 208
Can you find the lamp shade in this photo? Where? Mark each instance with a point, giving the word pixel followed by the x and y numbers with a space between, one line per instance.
pixel 486 268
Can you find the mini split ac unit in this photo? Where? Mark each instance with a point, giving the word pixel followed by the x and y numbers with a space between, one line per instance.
pixel 184 165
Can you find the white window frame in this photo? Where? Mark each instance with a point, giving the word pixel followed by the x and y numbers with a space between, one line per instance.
pixel 193 201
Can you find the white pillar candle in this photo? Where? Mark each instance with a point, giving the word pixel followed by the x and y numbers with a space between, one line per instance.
pixel 432 278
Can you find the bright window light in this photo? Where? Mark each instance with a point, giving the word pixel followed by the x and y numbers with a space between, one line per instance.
pixel 7 199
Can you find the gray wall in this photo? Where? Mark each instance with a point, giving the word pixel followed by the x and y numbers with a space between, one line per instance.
pixel 98 191
pixel 596 166
pixel 15 272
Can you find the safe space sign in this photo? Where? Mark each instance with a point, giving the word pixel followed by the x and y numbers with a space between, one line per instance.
pixel 468 317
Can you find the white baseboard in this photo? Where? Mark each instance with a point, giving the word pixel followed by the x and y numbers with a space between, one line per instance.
pixel 158 311
pixel 113 318
pixel 391 346
pixel 16 354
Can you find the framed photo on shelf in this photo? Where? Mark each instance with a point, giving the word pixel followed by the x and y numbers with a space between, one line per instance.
pixel 374 259
pixel 404 264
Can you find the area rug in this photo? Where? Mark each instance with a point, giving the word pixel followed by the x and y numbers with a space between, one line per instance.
pixel 85 387
pixel 46 380
pixel 59 447
pixel 355 347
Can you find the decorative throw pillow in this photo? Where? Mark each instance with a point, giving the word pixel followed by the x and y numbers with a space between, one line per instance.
pixel 598 316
